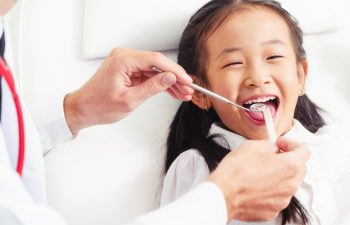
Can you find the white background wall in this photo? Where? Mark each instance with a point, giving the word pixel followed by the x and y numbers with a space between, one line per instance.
pixel 110 174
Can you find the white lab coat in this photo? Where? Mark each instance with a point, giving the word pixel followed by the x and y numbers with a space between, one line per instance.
pixel 22 199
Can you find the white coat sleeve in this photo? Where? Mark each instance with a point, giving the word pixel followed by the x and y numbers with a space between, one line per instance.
pixel 17 207
pixel 204 205
pixel 49 119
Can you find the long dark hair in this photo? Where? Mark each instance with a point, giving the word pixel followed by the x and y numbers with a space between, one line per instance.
pixel 191 124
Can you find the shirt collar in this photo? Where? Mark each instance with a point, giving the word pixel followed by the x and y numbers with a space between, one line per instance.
pixel 297 132
pixel 318 144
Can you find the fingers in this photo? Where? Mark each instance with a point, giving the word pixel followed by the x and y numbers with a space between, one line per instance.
pixel 165 64
pixel 151 87
pixel 294 157
pixel 260 145
pixel 286 144
pixel 268 180
pixel 132 61
pixel 183 89
pixel 295 151
pixel 137 66
pixel 145 61
pixel 178 90
pixel 171 93
pixel 182 92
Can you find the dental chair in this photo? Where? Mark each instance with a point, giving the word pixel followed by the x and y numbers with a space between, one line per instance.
pixel 111 174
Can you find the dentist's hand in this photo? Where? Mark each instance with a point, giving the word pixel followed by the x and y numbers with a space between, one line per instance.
pixel 258 183
pixel 123 82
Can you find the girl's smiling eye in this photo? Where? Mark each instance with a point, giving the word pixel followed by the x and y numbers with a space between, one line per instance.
pixel 274 57
pixel 234 64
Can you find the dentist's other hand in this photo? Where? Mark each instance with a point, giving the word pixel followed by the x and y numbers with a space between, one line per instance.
pixel 123 82
pixel 258 183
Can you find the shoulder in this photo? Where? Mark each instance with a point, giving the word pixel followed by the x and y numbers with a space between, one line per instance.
pixel 190 163
pixel 332 139
pixel 191 158
pixel 187 171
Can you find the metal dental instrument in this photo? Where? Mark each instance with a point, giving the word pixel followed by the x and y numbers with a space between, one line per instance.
pixel 257 107
pixel 271 130
pixel 214 95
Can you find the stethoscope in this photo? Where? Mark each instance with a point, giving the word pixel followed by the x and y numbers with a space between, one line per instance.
pixel 7 75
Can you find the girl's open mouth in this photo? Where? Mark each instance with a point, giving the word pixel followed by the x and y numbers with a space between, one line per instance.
pixel 270 101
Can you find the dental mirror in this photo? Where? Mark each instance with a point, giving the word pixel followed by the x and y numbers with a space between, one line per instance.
pixel 258 107
pixel 271 130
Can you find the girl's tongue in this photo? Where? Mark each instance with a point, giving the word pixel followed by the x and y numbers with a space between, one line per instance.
pixel 259 115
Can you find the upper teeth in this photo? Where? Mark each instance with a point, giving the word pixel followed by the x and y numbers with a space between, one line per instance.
pixel 258 100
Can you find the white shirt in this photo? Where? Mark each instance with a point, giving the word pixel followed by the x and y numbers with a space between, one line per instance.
pixel 325 192
pixel 22 199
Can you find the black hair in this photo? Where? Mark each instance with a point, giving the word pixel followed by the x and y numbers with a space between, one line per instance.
pixel 190 127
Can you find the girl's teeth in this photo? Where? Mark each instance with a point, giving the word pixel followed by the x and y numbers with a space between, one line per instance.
pixel 260 100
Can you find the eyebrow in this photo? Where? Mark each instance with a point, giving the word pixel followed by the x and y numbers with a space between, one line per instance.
pixel 273 41
pixel 227 51
pixel 232 49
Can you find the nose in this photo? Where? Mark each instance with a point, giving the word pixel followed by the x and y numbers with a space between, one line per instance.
pixel 257 76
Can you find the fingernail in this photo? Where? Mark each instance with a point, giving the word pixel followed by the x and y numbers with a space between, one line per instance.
pixel 188 78
pixel 168 79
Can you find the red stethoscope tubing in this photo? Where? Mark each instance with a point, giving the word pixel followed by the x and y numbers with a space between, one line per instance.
pixel 5 72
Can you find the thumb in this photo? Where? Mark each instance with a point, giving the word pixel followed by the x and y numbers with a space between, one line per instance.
pixel 293 151
pixel 154 85
pixel 286 144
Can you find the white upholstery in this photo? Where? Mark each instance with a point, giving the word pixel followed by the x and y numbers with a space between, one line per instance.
pixel 110 174
pixel 316 17
pixel 162 24
pixel 157 25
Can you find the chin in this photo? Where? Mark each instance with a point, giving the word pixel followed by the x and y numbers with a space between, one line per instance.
pixel 259 137
pixel 254 135
pixel 284 128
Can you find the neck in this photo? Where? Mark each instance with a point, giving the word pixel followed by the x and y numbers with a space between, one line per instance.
pixel 5 6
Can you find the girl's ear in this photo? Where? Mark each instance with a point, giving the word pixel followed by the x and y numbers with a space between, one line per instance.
pixel 198 98
pixel 303 68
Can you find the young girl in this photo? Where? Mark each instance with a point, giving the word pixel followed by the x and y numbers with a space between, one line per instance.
pixel 251 51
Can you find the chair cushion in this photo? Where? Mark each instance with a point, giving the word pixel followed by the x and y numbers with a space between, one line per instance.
pixel 156 25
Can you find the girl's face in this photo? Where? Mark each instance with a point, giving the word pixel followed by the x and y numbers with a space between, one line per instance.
pixel 251 59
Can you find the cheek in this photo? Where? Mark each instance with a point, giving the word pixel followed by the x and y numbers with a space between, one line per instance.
pixel 290 94
pixel 221 108
pixel 287 81
pixel 286 71
pixel 229 115
pixel 225 84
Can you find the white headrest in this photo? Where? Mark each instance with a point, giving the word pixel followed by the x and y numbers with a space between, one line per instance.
pixel 315 16
pixel 156 25
pixel 145 24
